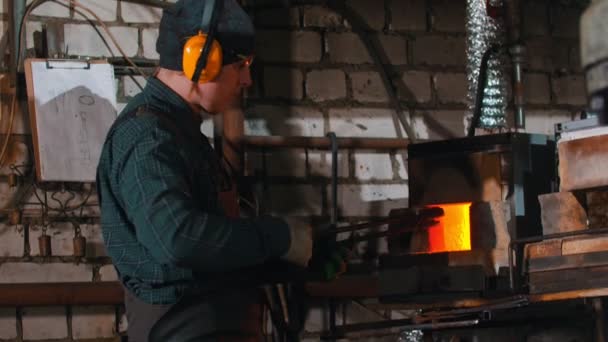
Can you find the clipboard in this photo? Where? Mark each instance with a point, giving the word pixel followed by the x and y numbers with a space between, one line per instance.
pixel 72 105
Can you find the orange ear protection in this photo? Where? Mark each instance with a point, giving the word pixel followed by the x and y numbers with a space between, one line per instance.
pixel 202 60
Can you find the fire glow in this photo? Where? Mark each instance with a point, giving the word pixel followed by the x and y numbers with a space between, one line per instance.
pixel 452 233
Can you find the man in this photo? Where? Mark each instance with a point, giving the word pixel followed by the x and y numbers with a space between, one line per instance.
pixel 178 256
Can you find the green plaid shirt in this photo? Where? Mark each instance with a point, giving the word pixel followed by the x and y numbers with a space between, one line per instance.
pixel 161 221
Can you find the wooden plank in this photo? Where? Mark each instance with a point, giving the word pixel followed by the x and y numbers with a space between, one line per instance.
pixel 553 263
pixel 569 279
pixel 585 244
pixel 583 163
pixel 561 212
pixel 567 295
pixel 544 249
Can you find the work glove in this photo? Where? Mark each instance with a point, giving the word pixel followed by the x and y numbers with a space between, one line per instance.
pixel 300 248
pixel 329 259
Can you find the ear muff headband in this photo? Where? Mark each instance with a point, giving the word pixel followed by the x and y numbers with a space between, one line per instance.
pixel 202 60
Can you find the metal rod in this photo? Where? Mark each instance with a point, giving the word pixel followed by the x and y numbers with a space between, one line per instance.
pixel 324 143
pixel 334 178
pixel 153 3
pixel 405 325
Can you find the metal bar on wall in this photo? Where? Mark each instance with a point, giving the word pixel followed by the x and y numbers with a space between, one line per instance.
pixel 324 143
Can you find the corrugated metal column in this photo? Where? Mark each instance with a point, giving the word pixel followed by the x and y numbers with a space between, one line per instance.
pixel 483 32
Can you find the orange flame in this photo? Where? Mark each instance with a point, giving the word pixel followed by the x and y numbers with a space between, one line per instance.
pixel 453 231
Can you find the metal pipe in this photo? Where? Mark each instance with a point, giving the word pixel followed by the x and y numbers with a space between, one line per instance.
pixel 17 11
pixel 324 143
pixel 334 178
pixel 153 3
pixel 517 50
pixel 517 53
pixel 54 294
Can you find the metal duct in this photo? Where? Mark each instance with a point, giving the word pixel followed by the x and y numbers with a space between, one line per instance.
pixel 483 32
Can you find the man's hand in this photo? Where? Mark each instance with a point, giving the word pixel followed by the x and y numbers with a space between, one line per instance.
pixel 300 249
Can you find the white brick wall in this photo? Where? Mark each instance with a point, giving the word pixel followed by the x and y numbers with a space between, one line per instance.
pixel 320 164
pixel 363 122
pixel 51 9
pixel 27 272
pixel 371 199
pixel 376 166
pixel 327 84
pixel 543 121
pixel 149 36
pixel 30 28
pixel 106 9
pixel 296 200
pixel 130 87
pixel 8 322
pixel 287 120
pixel 93 322
pixel 44 323
pixel 368 87
pixel 82 39
pixel 134 13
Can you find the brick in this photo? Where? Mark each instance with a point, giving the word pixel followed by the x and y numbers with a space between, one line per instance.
pixel 106 10
pixel 284 120
pixel 561 212
pixel 8 322
pixel 130 87
pixel 326 84
pixel 318 16
pixel 51 9
pixel 278 18
pixel 27 272
pixel 108 273
pixel 371 199
pixel 537 89
pixel 363 122
pixel 284 83
pixel 44 323
pixel 414 86
pixel 149 36
pixel 544 53
pixel 448 15
pixel 543 121
pixel 284 46
pixel 93 322
pixel 408 15
pixel 535 20
pixel 439 50
pixel 296 200
pixel 565 21
pixel 135 13
pixel 83 40
pixel 320 164
pixel 444 124
pixel 347 48
pixel 451 87
pixel 372 13
pixel 570 89
pixel 395 48
pixel 373 166
pixel 368 87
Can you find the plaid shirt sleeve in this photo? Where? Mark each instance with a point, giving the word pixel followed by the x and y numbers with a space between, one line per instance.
pixel 171 224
